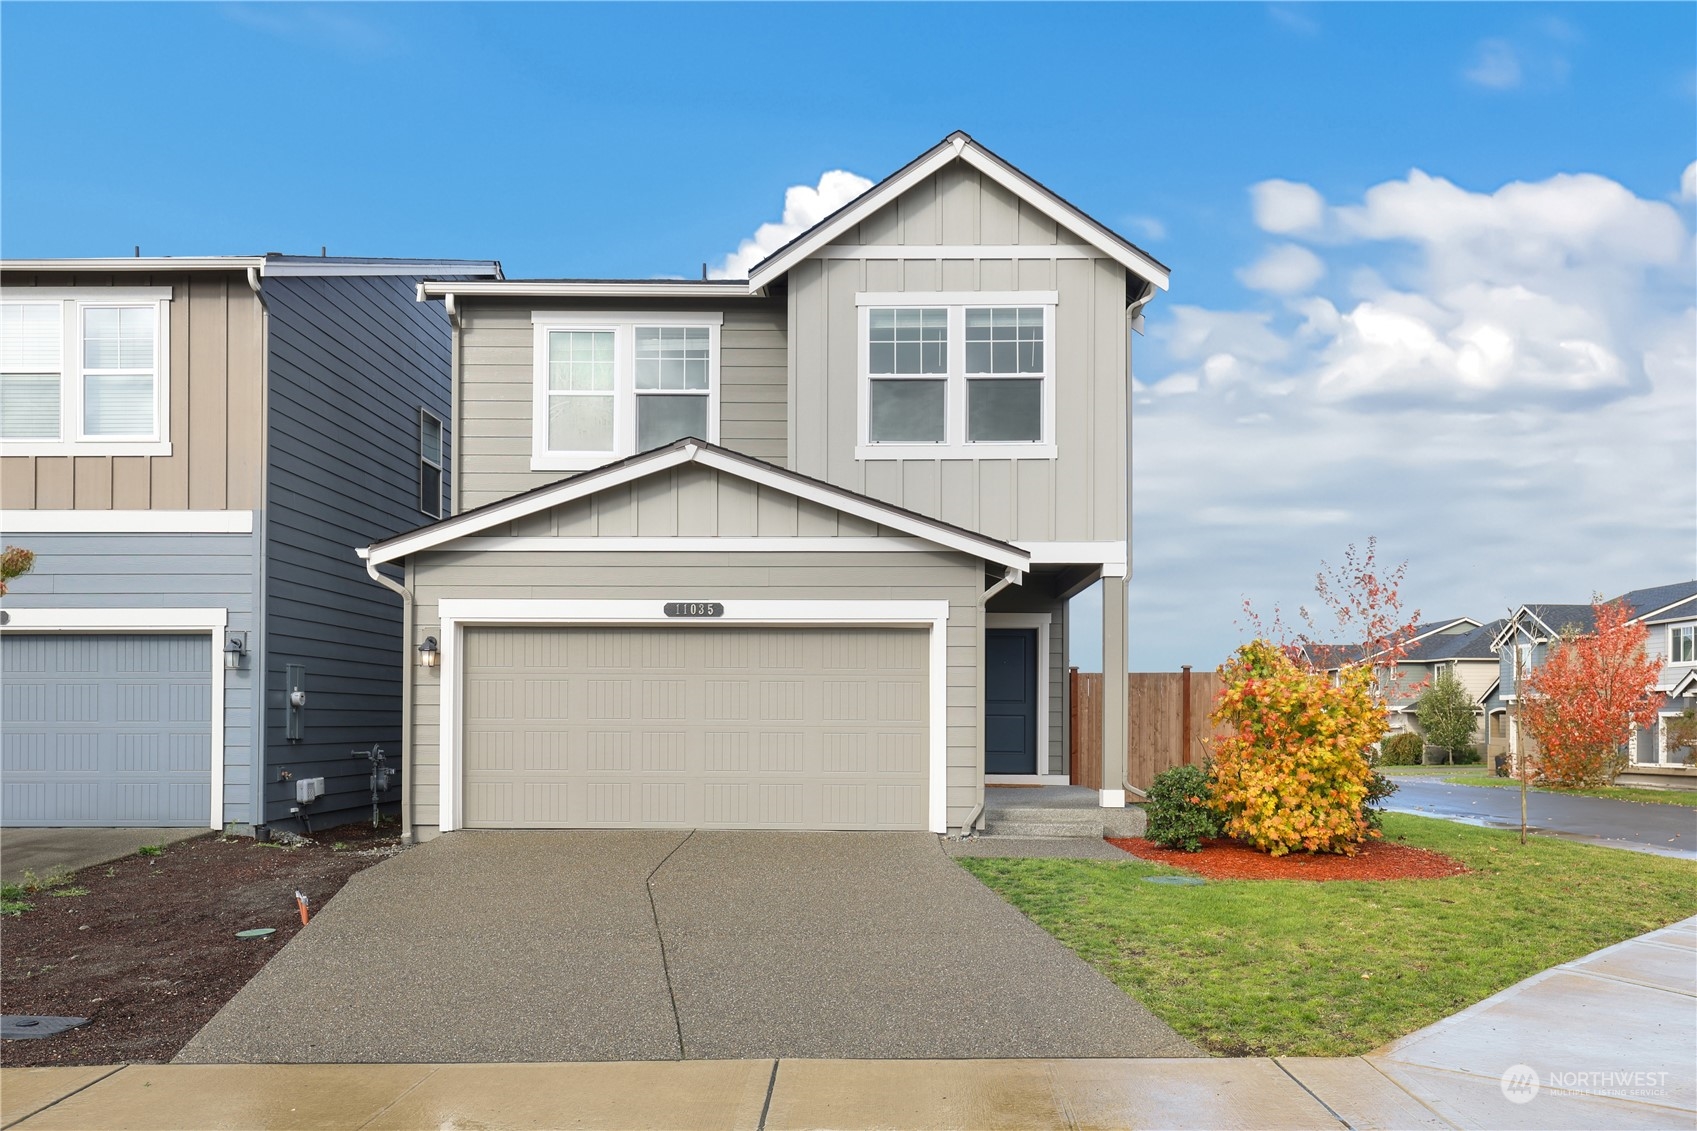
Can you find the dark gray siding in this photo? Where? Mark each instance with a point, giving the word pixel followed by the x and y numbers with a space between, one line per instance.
pixel 160 571
pixel 352 360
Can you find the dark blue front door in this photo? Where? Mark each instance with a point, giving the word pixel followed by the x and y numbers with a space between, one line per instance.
pixel 1010 701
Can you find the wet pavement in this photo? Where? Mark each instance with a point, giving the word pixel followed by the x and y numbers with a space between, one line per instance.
pixel 1644 826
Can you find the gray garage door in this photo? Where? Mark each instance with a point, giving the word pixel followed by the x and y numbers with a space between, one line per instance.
pixel 695 728
pixel 105 730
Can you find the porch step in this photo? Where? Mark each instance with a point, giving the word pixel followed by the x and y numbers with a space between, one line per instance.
pixel 1045 822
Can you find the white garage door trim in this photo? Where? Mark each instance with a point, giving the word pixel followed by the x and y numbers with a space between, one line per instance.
pixel 457 614
pixel 211 621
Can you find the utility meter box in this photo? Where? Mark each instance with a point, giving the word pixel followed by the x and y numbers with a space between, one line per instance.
pixel 308 789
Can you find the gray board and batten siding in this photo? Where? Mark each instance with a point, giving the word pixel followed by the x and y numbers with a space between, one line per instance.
pixel 1078 496
pixel 496 380
pixel 686 502
pixel 353 358
pixel 216 336
pixel 126 571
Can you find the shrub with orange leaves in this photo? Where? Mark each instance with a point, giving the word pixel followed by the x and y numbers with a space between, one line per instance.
pixel 1293 773
pixel 1583 701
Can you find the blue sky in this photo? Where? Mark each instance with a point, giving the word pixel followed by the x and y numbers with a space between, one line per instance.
pixel 1329 364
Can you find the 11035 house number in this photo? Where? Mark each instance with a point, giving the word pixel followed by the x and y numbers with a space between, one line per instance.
pixel 694 609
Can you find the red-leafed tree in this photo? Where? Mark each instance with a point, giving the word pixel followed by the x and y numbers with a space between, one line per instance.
pixel 1582 703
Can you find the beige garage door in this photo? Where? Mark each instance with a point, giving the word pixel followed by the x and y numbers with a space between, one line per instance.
pixel 735 728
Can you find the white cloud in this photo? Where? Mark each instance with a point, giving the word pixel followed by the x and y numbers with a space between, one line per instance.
pixel 1688 182
pixel 1501 384
pixel 1293 18
pixel 1146 227
pixel 1496 65
pixel 804 206
pixel 1284 270
pixel 1287 208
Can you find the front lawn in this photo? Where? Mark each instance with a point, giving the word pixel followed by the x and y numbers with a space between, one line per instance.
pixel 1293 968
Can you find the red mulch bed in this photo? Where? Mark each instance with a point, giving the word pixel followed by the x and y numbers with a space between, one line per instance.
pixel 150 953
pixel 1229 860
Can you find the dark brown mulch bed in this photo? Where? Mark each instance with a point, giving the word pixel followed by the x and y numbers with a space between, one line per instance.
pixel 150 953
pixel 1229 860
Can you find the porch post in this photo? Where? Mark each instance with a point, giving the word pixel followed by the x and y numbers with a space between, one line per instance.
pixel 1114 693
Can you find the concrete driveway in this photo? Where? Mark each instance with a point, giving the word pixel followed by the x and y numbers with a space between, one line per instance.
pixel 42 850
pixel 582 945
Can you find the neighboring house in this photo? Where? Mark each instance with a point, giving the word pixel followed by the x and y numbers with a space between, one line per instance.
pixel 788 552
pixel 189 446
pixel 1669 612
pixel 1460 648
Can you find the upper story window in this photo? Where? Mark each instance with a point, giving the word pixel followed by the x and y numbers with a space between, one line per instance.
pixel 85 372
pixel 957 376
pixel 610 385
pixel 430 463
pixel 1682 644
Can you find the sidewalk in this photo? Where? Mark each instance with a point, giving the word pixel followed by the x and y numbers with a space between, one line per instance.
pixel 1628 1009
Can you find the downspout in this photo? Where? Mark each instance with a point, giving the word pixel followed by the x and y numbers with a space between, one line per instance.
pixel 259 761
pixel 1010 576
pixel 405 759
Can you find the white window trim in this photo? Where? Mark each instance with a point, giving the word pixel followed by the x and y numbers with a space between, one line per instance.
pixel 1672 630
pixel 113 621
pixel 622 325
pixel 1662 718
pixel 955 445
pixel 73 301
pixel 1041 622
pixel 457 614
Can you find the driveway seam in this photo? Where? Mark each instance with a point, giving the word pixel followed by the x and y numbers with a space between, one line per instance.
pixel 660 935
pixel 771 1084
pixel 405 1092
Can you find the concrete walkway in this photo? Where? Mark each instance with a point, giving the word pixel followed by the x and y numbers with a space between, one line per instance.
pixel 42 850
pixel 1629 1009
pixel 625 946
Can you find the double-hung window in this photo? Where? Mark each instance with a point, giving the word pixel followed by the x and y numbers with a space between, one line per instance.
pixel 957 376
pixel 430 463
pixel 84 371
pixel 610 385
pixel 1682 644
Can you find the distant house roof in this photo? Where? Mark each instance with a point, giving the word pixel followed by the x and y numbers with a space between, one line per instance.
pixel 1472 645
pixel 1652 604
pixel 1426 636
pixel 1677 600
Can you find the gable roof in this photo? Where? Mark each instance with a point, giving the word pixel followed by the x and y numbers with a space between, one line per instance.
pixel 1669 602
pixel 1334 655
pixel 1660 599
pixel 723 460
pixel 1474 644
pixel 960 147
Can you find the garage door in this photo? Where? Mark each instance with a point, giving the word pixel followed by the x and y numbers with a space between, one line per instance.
pixel 105 730
pixel 807 728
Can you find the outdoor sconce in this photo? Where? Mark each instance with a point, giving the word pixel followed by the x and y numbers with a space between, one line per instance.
pixel 235 647
pixel 429 655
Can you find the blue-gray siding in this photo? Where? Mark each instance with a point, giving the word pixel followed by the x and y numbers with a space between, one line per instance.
pixel 352 360
pixel 157 571
pixel 106 729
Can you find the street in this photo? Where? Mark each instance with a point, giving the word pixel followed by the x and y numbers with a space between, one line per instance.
pixel 1648 827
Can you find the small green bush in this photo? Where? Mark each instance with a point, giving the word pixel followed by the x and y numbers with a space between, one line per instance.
pixel 1401 749
pixel 1468 756
pixel 1178 811
pixel 1379 787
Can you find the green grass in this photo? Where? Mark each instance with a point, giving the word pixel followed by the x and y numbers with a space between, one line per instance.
pixel 151 850
pixel 1292 968
pixel 15 897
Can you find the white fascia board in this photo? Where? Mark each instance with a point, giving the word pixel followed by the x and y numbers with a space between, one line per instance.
pixel 526 610
pixel 126 522
pixel 1685 686
pixel 1691 600
pixel 1075 553
pixel 117 620
pixel 849 503
pixel 572 288
pixel 957 251
pixel 90 294
pixel 664 545
pixel 962 149
pixel 328 267
pixel 958 298
pixel 586 484
pixel 129 263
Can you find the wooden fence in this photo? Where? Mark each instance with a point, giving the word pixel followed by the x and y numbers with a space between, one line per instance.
pixel 1156 736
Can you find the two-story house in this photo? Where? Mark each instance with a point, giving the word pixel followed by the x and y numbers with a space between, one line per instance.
pixel 786 552
pixel 1460 648
pixel 189 446
pixel 1669 613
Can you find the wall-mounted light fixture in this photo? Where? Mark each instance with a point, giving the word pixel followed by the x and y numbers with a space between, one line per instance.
pixel 429 655
pixel 235 647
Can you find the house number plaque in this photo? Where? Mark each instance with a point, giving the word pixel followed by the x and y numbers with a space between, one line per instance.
pixel 694 609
